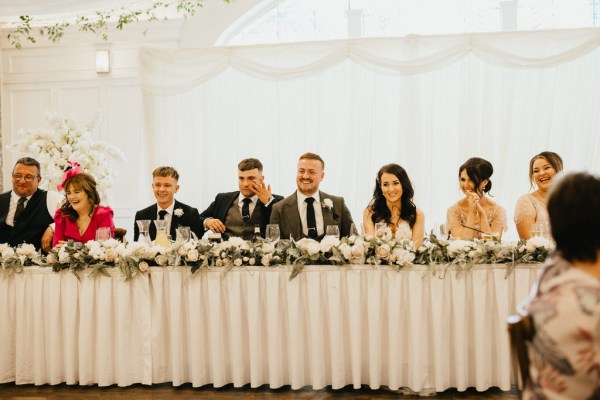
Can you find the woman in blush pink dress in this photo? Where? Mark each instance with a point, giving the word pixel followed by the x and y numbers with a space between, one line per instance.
pixel 475 213
pixel 81 214
pixel 531 207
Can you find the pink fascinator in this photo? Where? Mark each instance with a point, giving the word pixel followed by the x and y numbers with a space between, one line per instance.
pixel 72 169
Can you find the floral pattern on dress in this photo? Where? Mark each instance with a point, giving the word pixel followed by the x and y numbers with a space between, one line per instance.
pixel 565 350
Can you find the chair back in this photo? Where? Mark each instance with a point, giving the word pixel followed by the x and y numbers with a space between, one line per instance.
pixel 521 331
pixel 120 233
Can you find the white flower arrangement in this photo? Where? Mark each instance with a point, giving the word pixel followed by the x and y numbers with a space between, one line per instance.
pixel 137 257
pixel 66 140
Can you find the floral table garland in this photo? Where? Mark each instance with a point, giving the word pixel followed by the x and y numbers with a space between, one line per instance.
pixel 136 257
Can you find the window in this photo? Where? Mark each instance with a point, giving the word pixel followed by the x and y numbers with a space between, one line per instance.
pixel 276 21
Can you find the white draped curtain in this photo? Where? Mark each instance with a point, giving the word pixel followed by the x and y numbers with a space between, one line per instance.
pixel 425 102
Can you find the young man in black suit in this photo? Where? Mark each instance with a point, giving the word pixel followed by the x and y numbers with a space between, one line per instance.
pixel 165 185
pixel 236 213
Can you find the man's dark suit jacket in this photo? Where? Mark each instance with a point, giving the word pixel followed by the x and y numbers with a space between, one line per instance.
pixel 286 214
pixel 220 206
pixel 190 217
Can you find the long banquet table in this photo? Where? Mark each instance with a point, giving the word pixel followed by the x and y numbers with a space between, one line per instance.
pixel 330 326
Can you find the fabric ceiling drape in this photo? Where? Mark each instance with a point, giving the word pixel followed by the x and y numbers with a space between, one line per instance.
pixel 425 102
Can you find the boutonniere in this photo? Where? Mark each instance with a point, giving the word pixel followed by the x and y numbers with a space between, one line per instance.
pixel 178 212
pixel 328 204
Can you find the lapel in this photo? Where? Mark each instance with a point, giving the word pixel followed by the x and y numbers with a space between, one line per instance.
pixel 175 219
pixel 4 205
pixel 329 216
pixel 292 217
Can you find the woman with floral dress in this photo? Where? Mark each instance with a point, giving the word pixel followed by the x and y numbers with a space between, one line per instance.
pixel 565 349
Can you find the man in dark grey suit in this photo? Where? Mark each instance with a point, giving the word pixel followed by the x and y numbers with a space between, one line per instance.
pixel 308 211
pixel 165 185
pixel 237 213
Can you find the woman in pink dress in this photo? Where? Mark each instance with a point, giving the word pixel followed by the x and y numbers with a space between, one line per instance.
pixel 81 214
pixel 531 207
pixel 475 213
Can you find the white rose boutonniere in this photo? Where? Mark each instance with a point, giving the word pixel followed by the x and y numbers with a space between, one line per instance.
pixel 178 212
pixel 328 204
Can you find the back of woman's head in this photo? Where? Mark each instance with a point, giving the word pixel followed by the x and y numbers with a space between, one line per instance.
pixel 574 210
pixel 553 159
pixel 478 170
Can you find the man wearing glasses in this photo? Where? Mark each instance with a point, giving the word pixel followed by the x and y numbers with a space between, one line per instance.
pixel 26 212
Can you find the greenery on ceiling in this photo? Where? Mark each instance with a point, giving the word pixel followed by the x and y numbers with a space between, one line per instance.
pixel 99 21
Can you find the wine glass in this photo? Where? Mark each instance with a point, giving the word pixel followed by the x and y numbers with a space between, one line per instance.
pixel 332 230
pixel 273 233
pixel 183 233
pixel 102 234
pixel 353 230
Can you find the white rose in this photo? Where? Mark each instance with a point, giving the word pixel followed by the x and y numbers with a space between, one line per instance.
pixel 403 257
pixel 266 260
pixel 244 246
pixel 8 252
pixel 328 242
pixel 268 248
pixel 161 259
pixel 219 263
pixel 50 259
pixel 237 262
pixel 382 251
pixel 357 249
pixel 27 250
pixel 193 255
pixel 346 250
pixel 111 255
pixel 183 251
pixel 538 242
pixel 236 241
pixel 313 247
pixel 143 266
pixel 246 259
pixel 63 257
pixel 252 261
pixel 457 246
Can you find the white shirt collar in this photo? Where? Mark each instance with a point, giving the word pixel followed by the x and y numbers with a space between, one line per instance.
pixel 302 197
pixel 241 197
pixel 168 209
pixel 16 197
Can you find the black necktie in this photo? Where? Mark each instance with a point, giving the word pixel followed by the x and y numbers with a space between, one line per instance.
pixel 20 209
pixel 311 222
pixel 161 214
pixel 246 209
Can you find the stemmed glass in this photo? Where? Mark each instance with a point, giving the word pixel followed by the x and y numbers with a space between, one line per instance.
pixel 183 234
pixel 144 227
pixel 381 230
pixel 273 235
pixel 332 230
pixel 353 230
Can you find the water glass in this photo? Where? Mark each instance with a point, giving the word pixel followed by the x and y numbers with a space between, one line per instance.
pixel 183 233
pixel 541 229
pixel 144 226
pixel 102 234
pixel 332 230
pixel 273 234
pixel 353 230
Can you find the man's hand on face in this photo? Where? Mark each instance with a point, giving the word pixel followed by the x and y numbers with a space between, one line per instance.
pixel 262 191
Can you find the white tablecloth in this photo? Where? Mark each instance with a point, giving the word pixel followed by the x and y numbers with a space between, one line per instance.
pixel 329 326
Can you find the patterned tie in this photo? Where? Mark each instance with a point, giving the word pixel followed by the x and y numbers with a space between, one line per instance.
pixel 20 209
pixel 161 214
pixel 311 221
pixel 246 209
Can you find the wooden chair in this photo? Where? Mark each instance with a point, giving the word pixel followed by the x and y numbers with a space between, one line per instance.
pixel 521 331
pixel 120 234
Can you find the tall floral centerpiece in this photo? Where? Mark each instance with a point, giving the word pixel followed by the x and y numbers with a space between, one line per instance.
pixel 66 140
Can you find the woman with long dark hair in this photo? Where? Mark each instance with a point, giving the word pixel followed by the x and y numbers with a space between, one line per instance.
pixel 392 203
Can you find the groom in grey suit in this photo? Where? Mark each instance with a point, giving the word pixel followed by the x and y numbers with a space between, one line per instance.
pixel 308 211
